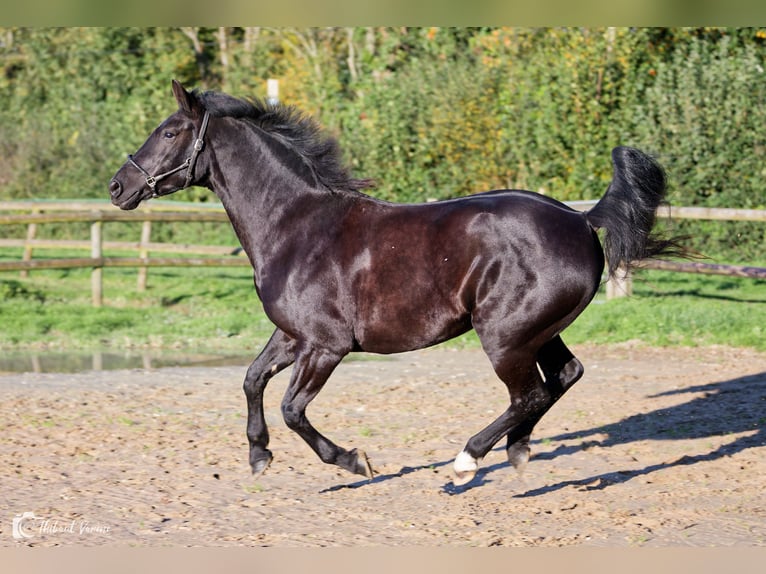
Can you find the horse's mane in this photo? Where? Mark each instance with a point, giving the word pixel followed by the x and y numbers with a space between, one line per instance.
pixel 296 130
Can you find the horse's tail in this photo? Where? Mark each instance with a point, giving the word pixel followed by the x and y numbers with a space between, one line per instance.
pixel 627 211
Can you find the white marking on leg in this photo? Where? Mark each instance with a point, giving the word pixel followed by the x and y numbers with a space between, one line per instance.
pixel 274 368
pixel 464 462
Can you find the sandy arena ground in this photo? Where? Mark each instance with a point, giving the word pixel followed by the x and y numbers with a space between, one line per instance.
pixel 653 447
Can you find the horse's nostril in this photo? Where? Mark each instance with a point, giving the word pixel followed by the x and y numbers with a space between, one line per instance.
pixel 114 188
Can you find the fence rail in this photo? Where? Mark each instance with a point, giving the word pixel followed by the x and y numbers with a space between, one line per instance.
pixel 97 213
pixel 105 216
pixel 705 268
pixel 85 262
pixel 622 286
pixel 54 205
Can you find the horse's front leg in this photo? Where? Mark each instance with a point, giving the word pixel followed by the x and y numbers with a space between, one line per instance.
pixel 312 369
pixel 278 354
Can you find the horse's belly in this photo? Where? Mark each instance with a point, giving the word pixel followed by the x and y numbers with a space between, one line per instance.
pixel 399 329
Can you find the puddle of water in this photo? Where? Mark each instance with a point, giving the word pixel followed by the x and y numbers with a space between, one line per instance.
pixel 76 362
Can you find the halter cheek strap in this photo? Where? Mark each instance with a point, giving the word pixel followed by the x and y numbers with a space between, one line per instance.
pixel 188 164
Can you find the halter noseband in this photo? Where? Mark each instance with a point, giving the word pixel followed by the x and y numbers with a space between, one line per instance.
pixel 188 164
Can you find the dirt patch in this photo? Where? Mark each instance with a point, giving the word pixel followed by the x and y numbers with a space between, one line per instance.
pixel 652 447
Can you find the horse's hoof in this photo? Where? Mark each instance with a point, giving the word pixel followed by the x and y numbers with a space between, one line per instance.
pixel 259 466
pixel 363 465
pixel 463 477
pixel 465 467
pixel 518 456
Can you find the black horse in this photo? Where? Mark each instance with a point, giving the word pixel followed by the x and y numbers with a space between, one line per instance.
pixel 339 271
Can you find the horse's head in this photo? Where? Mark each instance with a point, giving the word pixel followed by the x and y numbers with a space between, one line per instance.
pixel 165 162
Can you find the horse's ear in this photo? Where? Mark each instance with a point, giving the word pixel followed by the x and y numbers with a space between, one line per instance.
pixel 187 102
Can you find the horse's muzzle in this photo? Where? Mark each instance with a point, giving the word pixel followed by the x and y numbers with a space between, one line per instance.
pixel 115 189
pixel 124 200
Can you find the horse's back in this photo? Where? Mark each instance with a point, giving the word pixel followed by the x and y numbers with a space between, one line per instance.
pixel 522 226
pixel 429 271
pixel 510 228
pixel 536 246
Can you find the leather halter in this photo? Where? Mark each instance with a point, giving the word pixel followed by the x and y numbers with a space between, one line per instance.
pixel 188 164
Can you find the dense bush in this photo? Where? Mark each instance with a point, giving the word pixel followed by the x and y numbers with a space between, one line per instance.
pixel 705 113
pixel 420 133
pixel 427 112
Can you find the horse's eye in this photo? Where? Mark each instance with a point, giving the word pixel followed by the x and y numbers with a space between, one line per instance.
pixel 169 135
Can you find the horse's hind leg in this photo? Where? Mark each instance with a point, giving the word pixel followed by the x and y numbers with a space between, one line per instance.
pixel 561 370
pixel 278 354
pixel 560 367
pixel 529 396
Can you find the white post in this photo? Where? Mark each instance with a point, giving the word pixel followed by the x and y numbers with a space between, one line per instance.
pixel 96 274
pixel 272 91
pixel 621 285
pixel 31 232
pixel 143 253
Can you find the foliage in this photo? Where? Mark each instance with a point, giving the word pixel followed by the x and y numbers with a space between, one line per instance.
pixel 560 116
pixel 706 113
pixel 427 112
pixel 419 133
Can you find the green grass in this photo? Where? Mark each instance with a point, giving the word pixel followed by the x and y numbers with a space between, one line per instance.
pixel 181 308
pixel 217 309
pixel 679 309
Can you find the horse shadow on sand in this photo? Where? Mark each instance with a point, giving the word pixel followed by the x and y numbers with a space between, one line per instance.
pixel 718 409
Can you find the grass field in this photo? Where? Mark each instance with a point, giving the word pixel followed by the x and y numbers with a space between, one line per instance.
pixel 217 309
pixel 679 309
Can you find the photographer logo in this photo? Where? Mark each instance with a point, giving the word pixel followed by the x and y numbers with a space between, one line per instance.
pixel 21 525
pixel 28 525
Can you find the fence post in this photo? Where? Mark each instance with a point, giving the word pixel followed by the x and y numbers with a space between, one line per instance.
pixel 31 232
pixel 143 253
pixel 98 361
pixel 272 91
pixel 621 285
pixel 96 244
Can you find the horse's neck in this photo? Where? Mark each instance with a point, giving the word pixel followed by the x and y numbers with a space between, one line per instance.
pixel 266 202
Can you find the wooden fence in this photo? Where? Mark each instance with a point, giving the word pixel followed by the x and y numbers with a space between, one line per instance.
pixel 623 287
pixel 97 213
